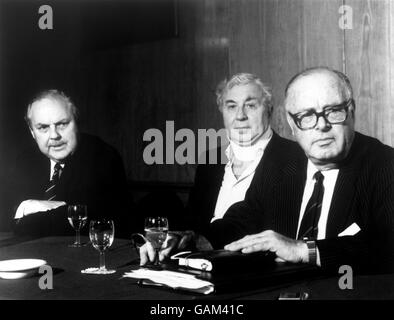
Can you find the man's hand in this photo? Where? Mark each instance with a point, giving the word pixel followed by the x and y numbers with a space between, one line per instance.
pixel 31 206
pixel 176 240
pixel 148 254
pixel 286 249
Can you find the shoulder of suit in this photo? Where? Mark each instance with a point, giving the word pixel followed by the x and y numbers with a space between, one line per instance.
pixel 280 147
pixel 94 146
pixel 370 148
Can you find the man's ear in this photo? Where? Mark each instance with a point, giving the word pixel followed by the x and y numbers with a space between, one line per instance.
pixel 290 122
pixel 270 110
pixel 353 109
pixel 32 133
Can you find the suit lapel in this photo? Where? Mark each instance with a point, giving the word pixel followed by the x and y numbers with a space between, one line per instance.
pixel 341 214
pixel 340 210
pixel 68 179
pixel 292 190
pixel 288 194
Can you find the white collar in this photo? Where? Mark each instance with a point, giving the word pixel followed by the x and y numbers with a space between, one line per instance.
pixel 249 153
pixel 53 163
pixel 326 173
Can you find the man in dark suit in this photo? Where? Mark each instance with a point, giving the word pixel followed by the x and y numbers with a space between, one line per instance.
pixel 329 202
pixel 336 206
pixel 245 103
pixel 68 167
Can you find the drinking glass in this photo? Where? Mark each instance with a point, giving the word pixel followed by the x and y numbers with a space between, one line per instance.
pixel 101 234
pixel 77 215
pixel 156 229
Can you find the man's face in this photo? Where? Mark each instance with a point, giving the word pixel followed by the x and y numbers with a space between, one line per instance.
pixel 327 143
pixel 54 128
pixel 245 117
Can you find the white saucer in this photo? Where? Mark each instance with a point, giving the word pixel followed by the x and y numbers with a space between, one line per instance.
pixel 19 268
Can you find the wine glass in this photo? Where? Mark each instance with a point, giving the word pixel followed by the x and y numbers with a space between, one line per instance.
pixel 101 234
pixel 77 215
pixel 156 229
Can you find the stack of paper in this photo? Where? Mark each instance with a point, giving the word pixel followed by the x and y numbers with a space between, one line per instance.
pixel 172 279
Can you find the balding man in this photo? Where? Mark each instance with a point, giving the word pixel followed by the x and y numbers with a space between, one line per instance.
pixel 68 167
pixel 336 205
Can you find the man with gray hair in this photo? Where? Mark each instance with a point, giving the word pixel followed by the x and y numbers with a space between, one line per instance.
pixel 69 167
pixel 336 205
pixel 328 202
pixel 246 105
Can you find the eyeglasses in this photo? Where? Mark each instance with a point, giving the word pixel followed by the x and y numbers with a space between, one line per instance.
pixel 332 114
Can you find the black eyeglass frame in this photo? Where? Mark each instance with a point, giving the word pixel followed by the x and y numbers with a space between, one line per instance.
pixel 342 106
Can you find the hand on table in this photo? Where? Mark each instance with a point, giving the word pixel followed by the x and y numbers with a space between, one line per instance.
pixel 176 240
pixel 286 249
pixel 32 206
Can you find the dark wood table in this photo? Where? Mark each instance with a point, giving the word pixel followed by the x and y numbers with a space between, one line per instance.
pixel 70 283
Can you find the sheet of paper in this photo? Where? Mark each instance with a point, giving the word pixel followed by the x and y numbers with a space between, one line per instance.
pixel 173 279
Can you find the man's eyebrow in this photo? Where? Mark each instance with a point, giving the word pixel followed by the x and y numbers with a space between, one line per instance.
pixel 229 101
pixel 306 111
pixel 327 106
pixel 334 105
pixel 248 99
pixel 62 121
pixel 39 124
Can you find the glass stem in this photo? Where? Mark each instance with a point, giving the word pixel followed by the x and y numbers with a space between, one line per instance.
pixel 78 237
pixel 102 260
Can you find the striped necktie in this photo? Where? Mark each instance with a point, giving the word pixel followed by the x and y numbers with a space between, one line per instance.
pixel 310 220
pixel 50 192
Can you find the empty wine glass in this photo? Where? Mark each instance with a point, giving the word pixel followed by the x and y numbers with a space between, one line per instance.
pixel 101 234
pixel 156 229
pixel 77 215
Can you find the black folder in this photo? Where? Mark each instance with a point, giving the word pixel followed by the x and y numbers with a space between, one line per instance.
pixel 236 272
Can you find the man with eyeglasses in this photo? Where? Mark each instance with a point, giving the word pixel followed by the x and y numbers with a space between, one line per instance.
pixel 336 205
pixel 328 203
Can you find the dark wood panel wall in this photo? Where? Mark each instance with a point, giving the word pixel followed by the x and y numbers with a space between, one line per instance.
pixel 129 90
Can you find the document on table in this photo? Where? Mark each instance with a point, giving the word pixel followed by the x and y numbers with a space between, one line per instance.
pixel 172 279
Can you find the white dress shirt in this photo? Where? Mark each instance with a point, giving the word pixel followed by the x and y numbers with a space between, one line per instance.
pixel 330 178
pixel 32 206
pixel 53 163
pixel 232 189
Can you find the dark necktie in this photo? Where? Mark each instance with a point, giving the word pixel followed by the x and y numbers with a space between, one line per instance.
pixel 50 192
pixel 310 220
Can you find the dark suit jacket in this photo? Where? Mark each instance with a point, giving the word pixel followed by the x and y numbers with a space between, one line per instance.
pixel 93 175
pixel 203 196
pixel 207 183
pixel 363 194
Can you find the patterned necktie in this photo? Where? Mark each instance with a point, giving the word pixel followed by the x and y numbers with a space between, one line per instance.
pixel 310 220
pixel 50 192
